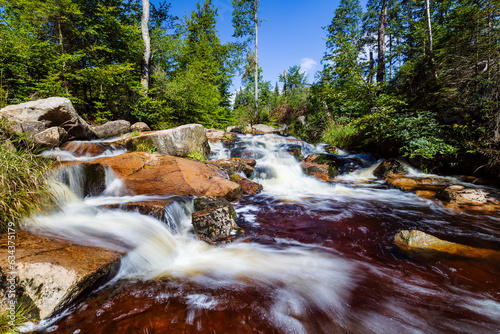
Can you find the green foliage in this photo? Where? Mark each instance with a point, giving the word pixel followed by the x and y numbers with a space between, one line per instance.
pixel 191 84
pixel 197 155
pixel 24 186
pixel 341 135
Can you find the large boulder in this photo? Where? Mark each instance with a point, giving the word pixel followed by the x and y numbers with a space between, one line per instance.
pixel 155 174
pixel 262 129
pixel 53 273
pixel 37 116
pixel 420 243
pixel 112 129
pixel 214 222
pixel 234 128
pixel 183 141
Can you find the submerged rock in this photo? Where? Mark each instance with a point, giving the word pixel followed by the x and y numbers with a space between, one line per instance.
pixel 420 243
pixel 417 183
pixel 296 151
pixel 214 220
pixel 85 179
pixel 112 129
pixel 37 116
pixel 53 273
pixel 155 174
pixel 87 149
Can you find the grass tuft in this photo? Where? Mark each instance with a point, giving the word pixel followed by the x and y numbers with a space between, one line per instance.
pixel 23 314
pixel 23 177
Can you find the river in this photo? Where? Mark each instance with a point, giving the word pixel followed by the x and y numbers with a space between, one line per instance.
pixel 318 257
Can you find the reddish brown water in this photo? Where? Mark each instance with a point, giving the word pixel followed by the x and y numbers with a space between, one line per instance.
pixel 383 290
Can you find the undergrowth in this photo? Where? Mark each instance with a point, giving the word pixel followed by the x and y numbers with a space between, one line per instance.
pixel 23 177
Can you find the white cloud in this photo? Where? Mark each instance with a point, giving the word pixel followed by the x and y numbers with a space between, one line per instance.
pixel 308 65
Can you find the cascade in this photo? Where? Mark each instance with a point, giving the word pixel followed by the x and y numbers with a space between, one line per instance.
pixel 318 256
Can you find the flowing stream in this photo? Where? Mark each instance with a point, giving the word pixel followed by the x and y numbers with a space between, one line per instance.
pixel 318 258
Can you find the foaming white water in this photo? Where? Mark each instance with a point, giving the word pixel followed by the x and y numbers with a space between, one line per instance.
pixel 360 175
pixel 178 216
pixel 219 151
pixel 73 177
pixel 114 186
pixel 283 177
pixel 297 278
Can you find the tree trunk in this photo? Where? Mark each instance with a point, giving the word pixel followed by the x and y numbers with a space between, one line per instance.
pixel 256 74
pixel 147 46
pixel 382 22
pixel 429 35
pixel 61 43
pixel 370 73
pixel 284 84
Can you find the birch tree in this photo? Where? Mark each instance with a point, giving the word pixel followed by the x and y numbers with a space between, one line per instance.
pixel 246 23
pixel 147 46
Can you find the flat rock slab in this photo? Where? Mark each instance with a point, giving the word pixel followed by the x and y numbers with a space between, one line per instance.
pixel 156 174
pixel 54 273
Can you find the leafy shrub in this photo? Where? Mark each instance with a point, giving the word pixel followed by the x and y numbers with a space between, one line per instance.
pixel 417 133
pixel 341 135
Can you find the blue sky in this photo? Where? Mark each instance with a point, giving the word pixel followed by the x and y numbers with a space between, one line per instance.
pixel 291 33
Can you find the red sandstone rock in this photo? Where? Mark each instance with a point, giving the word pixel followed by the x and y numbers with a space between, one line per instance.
pixel 53 273
pixel 146 173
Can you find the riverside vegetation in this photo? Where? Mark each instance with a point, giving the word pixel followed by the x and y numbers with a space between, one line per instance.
pixel 414 79
pixel 23 177
pixel 435 99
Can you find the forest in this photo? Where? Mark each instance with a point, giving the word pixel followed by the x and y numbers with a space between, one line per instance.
pixel 414 79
